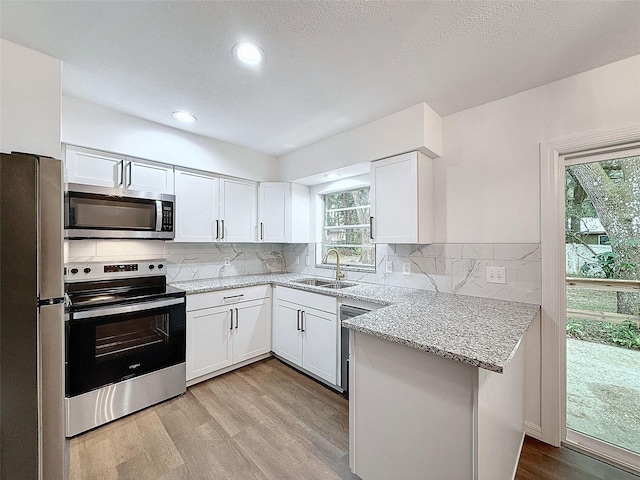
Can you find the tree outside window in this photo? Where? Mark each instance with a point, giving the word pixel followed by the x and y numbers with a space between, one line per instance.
pixel 346 228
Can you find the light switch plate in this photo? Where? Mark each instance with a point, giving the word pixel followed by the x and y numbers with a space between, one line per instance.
pixel 389 266
pixel 496 275
pixel 297 262
pixel 227 261
pixel 306 260
pixel 406 268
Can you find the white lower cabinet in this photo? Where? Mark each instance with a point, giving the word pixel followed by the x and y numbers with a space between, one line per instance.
pixel 305 332
pixel 225 328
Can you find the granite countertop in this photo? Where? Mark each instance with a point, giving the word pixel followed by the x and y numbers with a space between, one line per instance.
pixel 481 332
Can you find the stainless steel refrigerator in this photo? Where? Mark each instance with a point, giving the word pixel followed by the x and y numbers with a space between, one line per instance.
pixel 32 442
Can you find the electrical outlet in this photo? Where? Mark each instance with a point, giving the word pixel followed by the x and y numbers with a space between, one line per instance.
pixel 406 268
pixel 306 260
pixel 227 261
pixel 496 275
pixel 297 262
pixel 389 266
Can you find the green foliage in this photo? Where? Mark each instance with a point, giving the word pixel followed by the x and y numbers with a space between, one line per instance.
pixel 574 329
pixel 625 334
pixel 628 335
pixel 609 264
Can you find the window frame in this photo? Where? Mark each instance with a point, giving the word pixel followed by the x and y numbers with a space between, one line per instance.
pixel 369 267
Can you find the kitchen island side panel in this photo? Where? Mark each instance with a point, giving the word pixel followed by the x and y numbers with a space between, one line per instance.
pixel 411 412
pixel 500 420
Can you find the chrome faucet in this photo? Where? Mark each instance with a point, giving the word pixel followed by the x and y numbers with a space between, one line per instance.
pixel 339 274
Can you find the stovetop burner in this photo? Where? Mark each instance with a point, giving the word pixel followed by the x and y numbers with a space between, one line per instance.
pixel 89 285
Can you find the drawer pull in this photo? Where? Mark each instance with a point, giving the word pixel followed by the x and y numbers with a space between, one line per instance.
pixel 231 297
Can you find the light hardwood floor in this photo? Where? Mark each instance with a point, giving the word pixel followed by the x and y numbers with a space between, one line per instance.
pixel 263 421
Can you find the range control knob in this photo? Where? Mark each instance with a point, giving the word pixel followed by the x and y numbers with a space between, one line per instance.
pixel 74 271
pixel 160 266
pixel 151 267
pixel 87 270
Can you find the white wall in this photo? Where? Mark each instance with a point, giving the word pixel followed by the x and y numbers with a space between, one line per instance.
pixel 415 128
pixel 487 184
pixel 93 126
pixel 488 179
pixel 30 86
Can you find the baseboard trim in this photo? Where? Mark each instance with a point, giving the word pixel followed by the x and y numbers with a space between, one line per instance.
pixel 228 369
pixel 533 430
pixel 515 468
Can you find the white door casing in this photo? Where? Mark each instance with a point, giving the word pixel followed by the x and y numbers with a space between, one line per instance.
pixel 553 345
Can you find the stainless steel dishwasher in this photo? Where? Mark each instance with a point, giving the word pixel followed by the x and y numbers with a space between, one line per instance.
pixel 347 311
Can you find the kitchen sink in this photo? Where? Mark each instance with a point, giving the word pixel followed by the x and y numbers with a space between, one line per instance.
pixel 338 285
pixel 314 282
pixel 318 282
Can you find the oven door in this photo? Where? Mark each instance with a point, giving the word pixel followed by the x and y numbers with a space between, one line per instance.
pixel 112 344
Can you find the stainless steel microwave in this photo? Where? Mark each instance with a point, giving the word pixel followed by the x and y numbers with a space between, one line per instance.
pixel 99 212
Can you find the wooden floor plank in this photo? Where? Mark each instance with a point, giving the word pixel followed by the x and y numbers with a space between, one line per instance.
pixel 265 421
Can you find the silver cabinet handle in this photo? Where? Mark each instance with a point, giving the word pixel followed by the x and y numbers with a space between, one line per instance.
pixel 222 230
pixel 261 231
pixel 302 319
pixel 120 173
pixel 371 228
pixel 298 320
pixel 129 174
pixel 231 326
pixel 237 316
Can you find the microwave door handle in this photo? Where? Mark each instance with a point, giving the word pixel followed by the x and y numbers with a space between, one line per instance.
pixel 158 215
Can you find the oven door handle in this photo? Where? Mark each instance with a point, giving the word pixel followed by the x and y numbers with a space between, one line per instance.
pixel 134 307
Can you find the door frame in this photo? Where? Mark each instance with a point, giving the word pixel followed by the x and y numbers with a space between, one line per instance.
pixel 552 212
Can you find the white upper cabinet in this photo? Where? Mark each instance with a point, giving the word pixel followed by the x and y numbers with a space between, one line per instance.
pixel 92 167
pixel 143 176
pixel 211 208
pixel 283 213
pixel 196 207
pixel 238 204
pixel 402 199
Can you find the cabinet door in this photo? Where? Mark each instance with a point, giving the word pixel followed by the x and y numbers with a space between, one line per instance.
pixel 252 330
pixel 148 177
pixel 238 205
pixel 196 206
pixel 395 201
pixel 320 344
pixel 274 212
pixel 208 341
pixel 93 168
pixel 287 335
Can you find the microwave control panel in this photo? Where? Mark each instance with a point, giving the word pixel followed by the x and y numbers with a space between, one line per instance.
pixel 167 216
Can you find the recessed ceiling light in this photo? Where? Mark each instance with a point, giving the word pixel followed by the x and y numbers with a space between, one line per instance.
pixel 185 117
pixel 332 176
pixel 248 53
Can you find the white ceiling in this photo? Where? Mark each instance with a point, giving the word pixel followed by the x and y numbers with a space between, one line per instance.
pixel 330 65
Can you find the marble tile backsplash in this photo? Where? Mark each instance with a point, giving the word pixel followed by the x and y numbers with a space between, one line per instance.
pixel 185 261
pixel 450 268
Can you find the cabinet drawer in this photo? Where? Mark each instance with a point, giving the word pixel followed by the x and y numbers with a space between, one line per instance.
pixel 226 297
pixel 308 299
